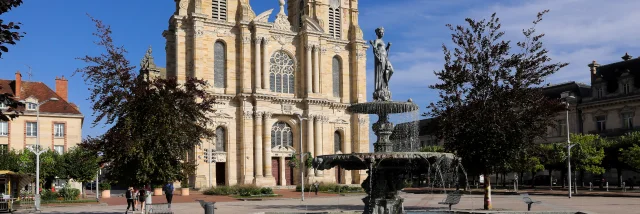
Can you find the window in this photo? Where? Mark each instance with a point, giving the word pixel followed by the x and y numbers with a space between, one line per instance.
pixel 58 149
pixel 221 138
pixel 599 92
pixel 58 130
pixel 627 120
pixel 626 88
pixel 4 148
pixel 561 129
pixel 31 129
pixel 219 9
pixel 337 141
pixel 335 19
pixel 219 65
pixel 336 76
pixel 281 135
pixel 4 128
pixel 601 123
pixel 301 14
pixel 31 106
pixel 281 73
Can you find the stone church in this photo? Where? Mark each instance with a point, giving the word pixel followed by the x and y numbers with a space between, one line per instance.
pixel 309 61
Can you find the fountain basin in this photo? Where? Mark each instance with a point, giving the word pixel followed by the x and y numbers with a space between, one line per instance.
pixel 382 107
pixel 361 161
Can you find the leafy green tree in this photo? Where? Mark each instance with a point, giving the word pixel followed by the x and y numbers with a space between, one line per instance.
pixel 432 149
pixel 588 153
pixel 631 156
pixel 553 157
pixel 81 164
pixel 156 122
pixel 491 105
pixel 9 160
pixel 629 150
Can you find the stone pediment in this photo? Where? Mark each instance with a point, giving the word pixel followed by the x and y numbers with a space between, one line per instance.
pixel 283 149
pixel 263 17
pixel 312 25
pixel 282 23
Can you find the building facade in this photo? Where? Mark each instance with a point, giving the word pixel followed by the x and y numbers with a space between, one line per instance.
pixel 309 61
pixel 60 125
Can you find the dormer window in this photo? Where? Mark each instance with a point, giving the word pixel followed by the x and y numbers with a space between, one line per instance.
pixel 599 92
pixel 626 88
pixel 219 9
pixel 32 106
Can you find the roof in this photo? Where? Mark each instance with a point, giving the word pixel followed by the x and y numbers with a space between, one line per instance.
pixel 40 91
pixel 579 89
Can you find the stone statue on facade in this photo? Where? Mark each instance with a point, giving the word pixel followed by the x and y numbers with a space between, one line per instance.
pixel 383 69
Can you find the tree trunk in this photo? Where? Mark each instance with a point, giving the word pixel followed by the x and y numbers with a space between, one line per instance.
pixel 563 178
pixel 582 177
pixel 521 178
pixel 533 179
pixel 487 192
pixel 619 171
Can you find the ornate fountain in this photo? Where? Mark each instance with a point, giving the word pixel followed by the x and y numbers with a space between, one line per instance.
pixel 386 168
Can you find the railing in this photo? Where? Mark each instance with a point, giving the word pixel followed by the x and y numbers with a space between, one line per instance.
pixel 614 132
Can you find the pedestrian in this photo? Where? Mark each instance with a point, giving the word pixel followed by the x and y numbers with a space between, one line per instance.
pixel 168 192
pixel 316 185
pixel 142 195
pixel 129 195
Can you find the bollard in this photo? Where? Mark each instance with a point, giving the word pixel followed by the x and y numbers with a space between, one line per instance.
pixel 624 187
pixel 607 186
pixel 590 186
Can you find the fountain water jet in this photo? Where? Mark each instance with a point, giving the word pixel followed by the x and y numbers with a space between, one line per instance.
pixel 386 167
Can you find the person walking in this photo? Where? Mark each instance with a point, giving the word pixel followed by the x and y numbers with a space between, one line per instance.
pixel 168 192
pixel 316 185
pixel 129 195
pixel 142 195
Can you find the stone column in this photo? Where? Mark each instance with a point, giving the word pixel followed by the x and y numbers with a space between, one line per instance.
pixel 308 67
pixel 317 140
pixel 265 64
pixel 266 133
pixel 283 181
pixel 257 72
pixel 247 132
pixel 257 148
pixel 316 69
pixel 310 138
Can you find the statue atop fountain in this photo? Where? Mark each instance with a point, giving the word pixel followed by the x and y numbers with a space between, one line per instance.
pixel 386 167
pixel 383 69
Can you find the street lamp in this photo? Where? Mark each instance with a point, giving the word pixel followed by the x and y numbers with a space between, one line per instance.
pixel 37 150
pixel 300 119
pixel 566 96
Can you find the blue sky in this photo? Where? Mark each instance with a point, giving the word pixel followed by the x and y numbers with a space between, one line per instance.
pixel 578 31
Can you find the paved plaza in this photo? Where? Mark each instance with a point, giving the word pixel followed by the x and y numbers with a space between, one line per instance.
pixel 603 205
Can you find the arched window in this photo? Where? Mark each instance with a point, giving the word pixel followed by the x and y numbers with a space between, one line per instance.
pixel 281 135
pixel 335 19
pixel 281 73
pixel 219 9
pixel 219 65
pixel 337 76
pixel 337 142
pixel 221 138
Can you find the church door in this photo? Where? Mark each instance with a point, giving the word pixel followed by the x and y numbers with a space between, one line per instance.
pixel 339 175
pixel 275 169
pixel 288 172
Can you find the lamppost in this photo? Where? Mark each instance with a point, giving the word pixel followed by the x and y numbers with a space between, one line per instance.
pixel 300 119
pixel 36 150
pixel 566 96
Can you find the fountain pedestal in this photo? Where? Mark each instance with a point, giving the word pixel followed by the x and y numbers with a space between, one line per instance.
pixel 383 192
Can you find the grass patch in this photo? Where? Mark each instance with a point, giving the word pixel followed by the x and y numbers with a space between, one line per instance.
pixel 241 190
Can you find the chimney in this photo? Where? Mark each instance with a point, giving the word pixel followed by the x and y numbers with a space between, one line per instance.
pixel 62 88
pixel 18 84
pixel 593 68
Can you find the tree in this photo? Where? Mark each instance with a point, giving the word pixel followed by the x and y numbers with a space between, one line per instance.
pixel 9 160
pixel 588 153
pixel 156 122
pixel 629 151
pixel 491 104
pixel 81 164
pixel 8 36
pixel 553 157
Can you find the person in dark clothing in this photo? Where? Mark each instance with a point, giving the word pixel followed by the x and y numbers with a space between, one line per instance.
pixel 168 190
pixel 316 185
pixel 142 196
pixel 129 195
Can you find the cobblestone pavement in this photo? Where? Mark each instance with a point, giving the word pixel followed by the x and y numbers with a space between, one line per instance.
pixel 603 205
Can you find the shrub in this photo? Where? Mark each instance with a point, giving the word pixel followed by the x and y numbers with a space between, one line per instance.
pixel 104 186
pixel 248 190
pixel 69 193
pixel 266 191
pixel 184 183
pixel 47 195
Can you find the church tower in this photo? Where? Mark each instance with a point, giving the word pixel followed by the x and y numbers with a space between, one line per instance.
pixel 303 57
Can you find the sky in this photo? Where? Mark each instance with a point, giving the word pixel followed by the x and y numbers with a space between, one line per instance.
pixel 577 32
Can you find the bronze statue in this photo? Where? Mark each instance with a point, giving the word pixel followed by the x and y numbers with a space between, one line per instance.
pixel 383 69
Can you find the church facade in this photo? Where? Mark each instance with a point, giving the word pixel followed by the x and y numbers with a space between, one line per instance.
pixel 310 61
